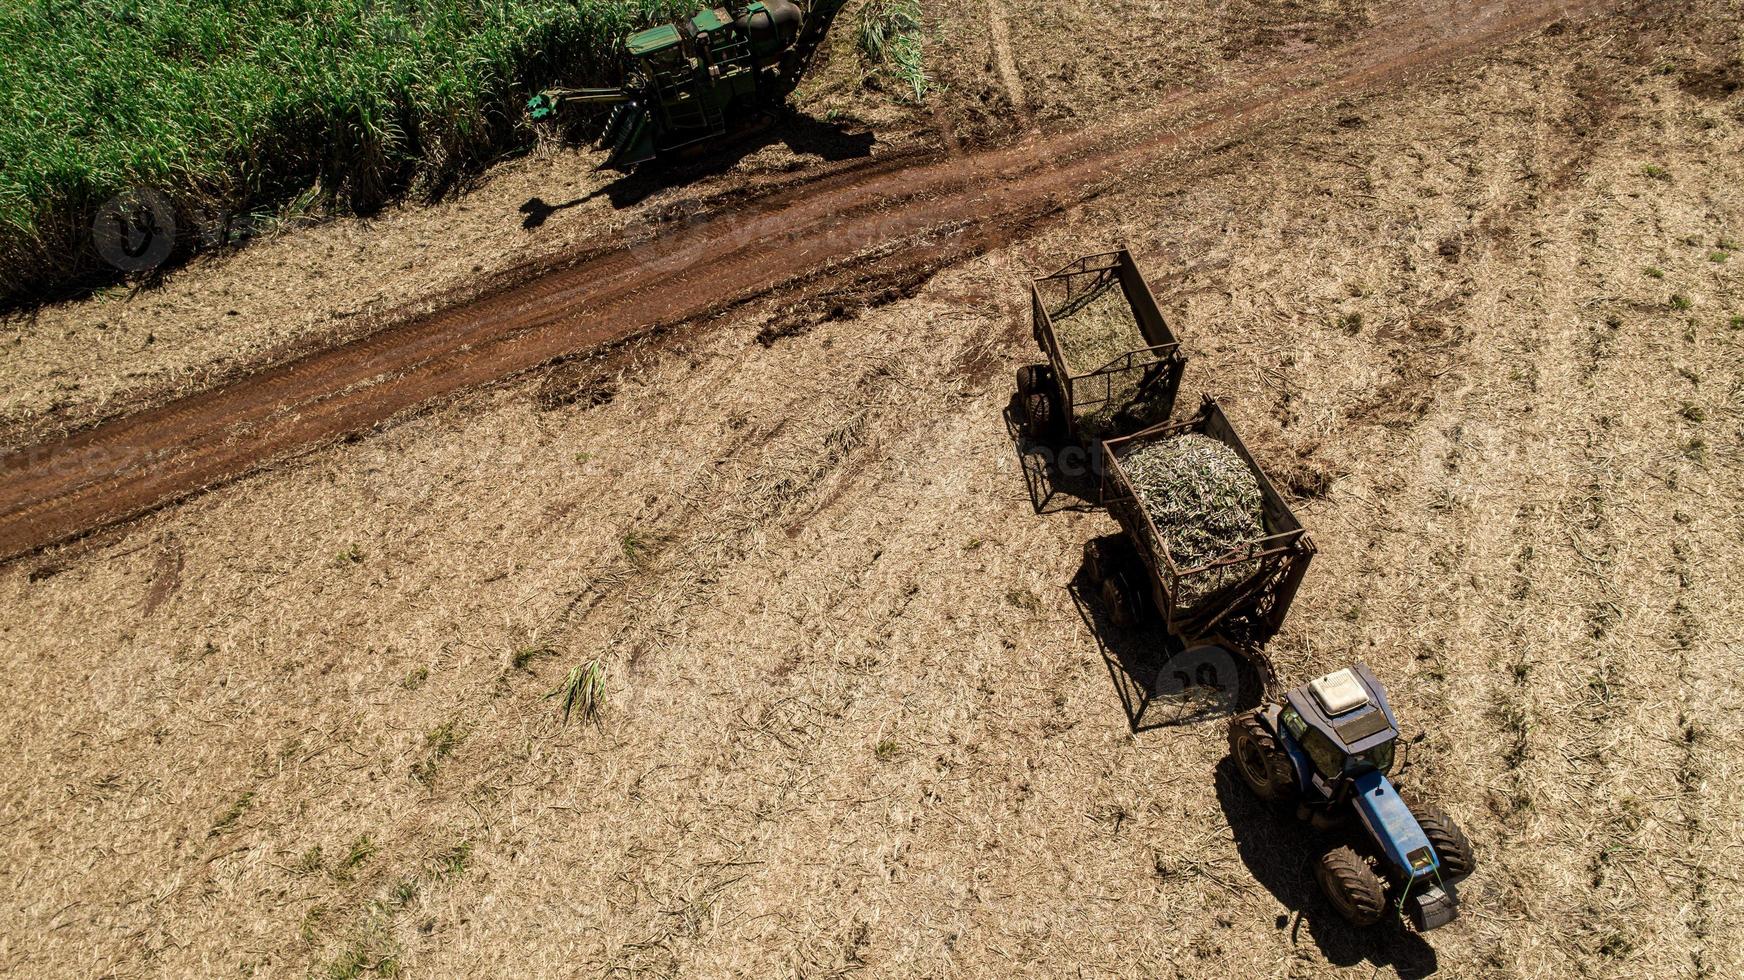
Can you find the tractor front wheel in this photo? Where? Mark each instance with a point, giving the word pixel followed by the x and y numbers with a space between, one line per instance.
pixel 1260 759
pixel 1352 886
pixel 1450 843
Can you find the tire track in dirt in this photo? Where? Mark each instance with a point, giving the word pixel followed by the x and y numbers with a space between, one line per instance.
pixel 999 37
pixel 1590 357
pixel 1694 765
pixel 126 467
pixel 1703 658
pixel 1598 693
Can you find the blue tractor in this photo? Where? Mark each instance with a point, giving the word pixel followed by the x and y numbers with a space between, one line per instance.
pixel 1327 748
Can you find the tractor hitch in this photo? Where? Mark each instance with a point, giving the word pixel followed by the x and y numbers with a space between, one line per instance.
pixel 1432 908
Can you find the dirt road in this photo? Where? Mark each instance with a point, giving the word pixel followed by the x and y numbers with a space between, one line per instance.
pixel 803 237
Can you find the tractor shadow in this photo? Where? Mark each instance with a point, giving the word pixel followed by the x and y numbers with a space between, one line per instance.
pixel 1058 476
pixel 1159 681
pixel 805 135
pixel 1279 852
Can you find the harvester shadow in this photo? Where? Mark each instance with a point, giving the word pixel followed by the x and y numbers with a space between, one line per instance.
pixel 1156 685
pixel 538 211
pixel 805 135
pixel 1053 488
pixel 1279 852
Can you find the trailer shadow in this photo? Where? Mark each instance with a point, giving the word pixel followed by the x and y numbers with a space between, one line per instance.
pixel 1058 477
pixel 1160 681
pixel 1279 852
pixel 827 140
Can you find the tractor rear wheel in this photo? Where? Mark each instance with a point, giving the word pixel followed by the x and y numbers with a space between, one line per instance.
pixel 1260 759
pixel 1450 843
pixel 1351 885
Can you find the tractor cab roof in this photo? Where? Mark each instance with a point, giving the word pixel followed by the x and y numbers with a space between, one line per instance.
pixel 644 43
pixel 1347 706
pixel 709 20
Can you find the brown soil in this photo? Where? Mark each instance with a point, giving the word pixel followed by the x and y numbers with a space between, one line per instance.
pixel 609 291
pixel 300 289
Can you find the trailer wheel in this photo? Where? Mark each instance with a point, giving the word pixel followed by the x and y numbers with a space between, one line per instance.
pixel 1097 566
pixel 1351 885
pixel 1118 603
pixel 1035 390
pixel 1450 843
pixel 1260 759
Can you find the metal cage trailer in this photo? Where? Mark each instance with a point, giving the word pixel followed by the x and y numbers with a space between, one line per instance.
pixel 1083 395
pixel 1247 611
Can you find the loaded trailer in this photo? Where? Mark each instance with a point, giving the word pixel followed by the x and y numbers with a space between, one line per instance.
pixel 1237 600
pixel 1113 366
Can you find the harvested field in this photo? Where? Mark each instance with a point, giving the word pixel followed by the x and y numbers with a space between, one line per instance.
pixel 1483 323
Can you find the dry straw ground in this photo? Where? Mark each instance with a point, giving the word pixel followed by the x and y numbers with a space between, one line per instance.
pixel 1485 327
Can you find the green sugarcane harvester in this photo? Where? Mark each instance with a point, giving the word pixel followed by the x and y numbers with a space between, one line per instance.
pixel 702 77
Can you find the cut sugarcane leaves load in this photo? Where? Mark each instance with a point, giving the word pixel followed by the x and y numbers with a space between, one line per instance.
pixel 1094 330
pixel 1205 502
